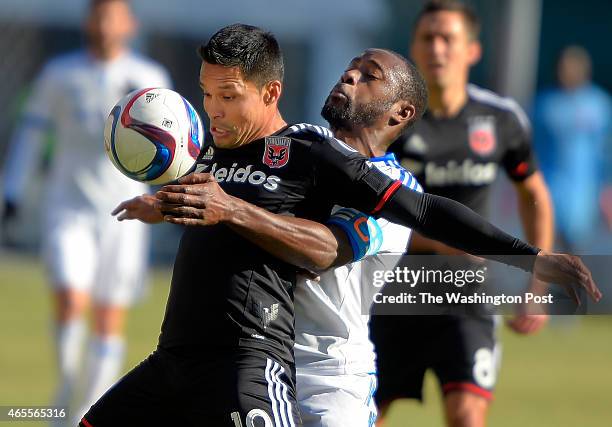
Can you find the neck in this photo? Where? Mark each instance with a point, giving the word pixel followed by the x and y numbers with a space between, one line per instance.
pixel 369 142
pixel 448 101
pixel 273 125
pixel 102 54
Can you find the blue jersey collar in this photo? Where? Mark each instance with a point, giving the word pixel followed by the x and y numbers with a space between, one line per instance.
pixel 388 156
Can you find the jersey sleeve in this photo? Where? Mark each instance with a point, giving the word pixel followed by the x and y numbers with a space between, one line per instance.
pixel 454 224
pixel 39 107
pixel 519 160
pixel 28 137
pixel 350 180
pixel 347 178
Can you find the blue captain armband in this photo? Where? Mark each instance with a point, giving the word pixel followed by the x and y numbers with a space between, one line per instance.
pixel 363 231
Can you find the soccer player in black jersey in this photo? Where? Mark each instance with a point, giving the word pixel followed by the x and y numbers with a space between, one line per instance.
pixel 224 356
pixel 456 151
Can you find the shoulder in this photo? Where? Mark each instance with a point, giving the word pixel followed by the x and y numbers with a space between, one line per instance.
pixel 318 135
pixel 599 94
pixel 147 69
pixel 389 165
pixel 59 65
pixel 145 65
pixel 308 131
pixel 502 105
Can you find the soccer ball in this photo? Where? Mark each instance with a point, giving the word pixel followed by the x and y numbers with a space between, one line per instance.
pixel 153 135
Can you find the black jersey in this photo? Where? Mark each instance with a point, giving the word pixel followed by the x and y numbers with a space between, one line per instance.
pixel 227 292
pixel 460 157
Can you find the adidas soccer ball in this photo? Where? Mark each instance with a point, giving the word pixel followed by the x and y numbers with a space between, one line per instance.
pixel 153 135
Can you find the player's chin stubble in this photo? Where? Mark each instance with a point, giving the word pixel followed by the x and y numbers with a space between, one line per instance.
pixel 346 115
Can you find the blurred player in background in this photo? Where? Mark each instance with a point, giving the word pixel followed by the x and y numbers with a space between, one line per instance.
pixel 455 151
pixel 572 126
pixel 90 257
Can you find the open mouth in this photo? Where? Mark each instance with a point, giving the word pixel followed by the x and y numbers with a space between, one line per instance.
pixel 338 92
pixel 218 132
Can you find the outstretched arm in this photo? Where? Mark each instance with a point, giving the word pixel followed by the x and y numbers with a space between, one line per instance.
pixel 456 225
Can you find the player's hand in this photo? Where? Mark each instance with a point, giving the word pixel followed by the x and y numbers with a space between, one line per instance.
pixel 527 324
pixel 142 208
pixel 568 271
pixel 198 200
pixel 530 317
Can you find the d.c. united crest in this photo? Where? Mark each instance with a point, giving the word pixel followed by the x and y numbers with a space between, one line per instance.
pixel 482 135
pixel 276 151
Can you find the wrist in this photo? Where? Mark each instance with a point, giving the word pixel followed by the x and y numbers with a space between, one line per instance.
pixel 231 213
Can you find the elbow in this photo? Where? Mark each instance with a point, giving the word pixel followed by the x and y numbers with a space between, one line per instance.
pixel 322 260
pixel 326 261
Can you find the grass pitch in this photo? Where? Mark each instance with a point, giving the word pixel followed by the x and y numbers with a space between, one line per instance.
pixel 559 378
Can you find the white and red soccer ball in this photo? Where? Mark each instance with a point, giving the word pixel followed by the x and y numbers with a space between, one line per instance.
pixel 153 135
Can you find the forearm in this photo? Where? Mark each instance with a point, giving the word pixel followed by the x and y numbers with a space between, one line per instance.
pixel 536 212
pixel 537 220
pixel 420 243
pixel 456 225
pixel 297 241
pixel 22 156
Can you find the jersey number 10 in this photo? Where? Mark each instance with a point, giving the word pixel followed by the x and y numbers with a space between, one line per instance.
pixel 251 417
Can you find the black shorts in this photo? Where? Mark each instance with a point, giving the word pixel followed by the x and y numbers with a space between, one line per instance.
pixel 461 351
pixel 245 390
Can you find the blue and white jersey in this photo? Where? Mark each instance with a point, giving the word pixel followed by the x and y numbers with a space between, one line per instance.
pixel 389 165
pixel 72 98
pixel 331 333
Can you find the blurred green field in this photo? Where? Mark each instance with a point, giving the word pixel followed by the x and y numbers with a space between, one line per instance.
pixel 562 377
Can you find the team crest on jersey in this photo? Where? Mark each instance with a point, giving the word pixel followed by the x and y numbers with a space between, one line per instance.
pixel 276 152
pixel 481 131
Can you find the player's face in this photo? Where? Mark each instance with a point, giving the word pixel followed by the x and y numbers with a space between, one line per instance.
pixel 572 72
pixel 109 25
pixel 363 94
pixel 235 106
pixel 443 49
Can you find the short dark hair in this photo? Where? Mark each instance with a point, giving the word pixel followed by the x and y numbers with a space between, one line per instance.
pixel 409 85
pixel 472 21
pixel 255 51
pixel 94 3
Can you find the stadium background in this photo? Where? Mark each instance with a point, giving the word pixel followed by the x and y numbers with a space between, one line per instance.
pixel 562 377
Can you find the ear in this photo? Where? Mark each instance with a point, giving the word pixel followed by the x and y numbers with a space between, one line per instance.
pixel 474 52
pixel 402 113
pixel 272 92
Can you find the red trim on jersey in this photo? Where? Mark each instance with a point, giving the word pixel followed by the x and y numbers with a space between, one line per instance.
pixel 472 388
pixel 385 198
pixel 521 169
pixel 84 421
